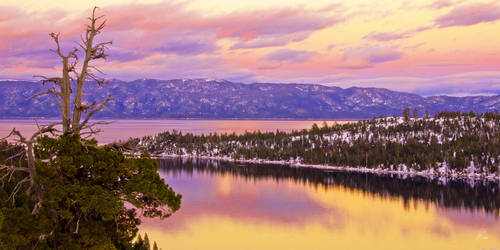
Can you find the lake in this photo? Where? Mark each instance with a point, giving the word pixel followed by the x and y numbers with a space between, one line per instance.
pixel 250 206
pixel 124 129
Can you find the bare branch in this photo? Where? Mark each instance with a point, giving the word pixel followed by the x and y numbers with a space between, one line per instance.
pixel 55 37
pixel 17 134
pixel 10 147
pixel 93 111
pixel 77 224
pixel 45 129
pixel 56 80
pixel 85 107
pixel 19 154
pixel 13 168
pixel 91 131
pixel 97 79
pixel 96 69
pixel 46 92
pixel 17 188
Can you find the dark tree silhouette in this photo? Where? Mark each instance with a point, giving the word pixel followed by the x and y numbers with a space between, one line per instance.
pixel 65 192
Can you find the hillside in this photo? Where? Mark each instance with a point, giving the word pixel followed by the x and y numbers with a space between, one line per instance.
pixel 220 99
pixel 449 144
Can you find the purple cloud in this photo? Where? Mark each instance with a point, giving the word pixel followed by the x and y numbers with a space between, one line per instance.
pixel 287 21
pixel 439 4
pixel 333 45
pixel 123 55
pixel 293 56
pixel 271 41
pixel 187 47
pixel 366 56
pixel 388 36
pixel 467 83
pixel 274 28
pixel 469 15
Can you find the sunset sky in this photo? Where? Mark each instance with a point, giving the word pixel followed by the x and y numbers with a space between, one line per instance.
pixel 425 47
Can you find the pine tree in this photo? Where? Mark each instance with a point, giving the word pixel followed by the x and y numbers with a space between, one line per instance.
pixel 70 193
pixel 146 241
pixel 406 114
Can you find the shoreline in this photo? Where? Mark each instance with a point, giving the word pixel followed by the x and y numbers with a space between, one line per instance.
pixel 331 119
pixel 429 174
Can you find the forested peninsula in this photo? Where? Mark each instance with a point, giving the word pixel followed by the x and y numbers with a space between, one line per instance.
pixel 450 144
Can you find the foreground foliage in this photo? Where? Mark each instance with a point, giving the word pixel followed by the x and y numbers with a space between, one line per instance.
pixel 65 192
pixel 92 197
pixel 449 143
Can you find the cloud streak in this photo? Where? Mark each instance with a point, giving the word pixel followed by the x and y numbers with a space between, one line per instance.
pixel 389 36
pixel 274 27
pixel 470 83
pixel 439 4
pixel 386 36
pixel 288 55
pixel 470 14
pixel 367 56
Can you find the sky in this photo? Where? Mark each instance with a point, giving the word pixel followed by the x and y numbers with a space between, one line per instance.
pixel 428 47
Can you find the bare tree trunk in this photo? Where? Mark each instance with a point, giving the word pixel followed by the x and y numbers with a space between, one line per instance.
pixel 92 52
pixel 78 109
pixel 66 94
pixel 61 90
pixel 72 122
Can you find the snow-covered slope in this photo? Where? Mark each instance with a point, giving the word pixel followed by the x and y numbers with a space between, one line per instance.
pixel 214 98
pixel 450 144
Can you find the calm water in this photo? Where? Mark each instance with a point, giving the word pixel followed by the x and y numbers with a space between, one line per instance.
pixel 228 206
pixel 124 129
pixel 235 206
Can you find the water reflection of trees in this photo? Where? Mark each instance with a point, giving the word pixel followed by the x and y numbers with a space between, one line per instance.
pixel 477 196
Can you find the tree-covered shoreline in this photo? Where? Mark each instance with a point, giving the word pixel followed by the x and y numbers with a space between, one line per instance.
pixel 449 144
pixel 475 196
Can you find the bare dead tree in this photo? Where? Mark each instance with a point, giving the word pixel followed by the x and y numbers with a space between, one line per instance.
pixel 61 87
pixel 74 76
pixel 33 190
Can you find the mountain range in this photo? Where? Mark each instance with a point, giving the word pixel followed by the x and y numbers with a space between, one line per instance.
pixel 221 99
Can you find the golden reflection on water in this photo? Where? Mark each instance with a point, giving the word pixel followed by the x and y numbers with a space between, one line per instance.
pixel 230 212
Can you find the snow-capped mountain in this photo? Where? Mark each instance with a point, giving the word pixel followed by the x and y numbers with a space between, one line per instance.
pixel 218 99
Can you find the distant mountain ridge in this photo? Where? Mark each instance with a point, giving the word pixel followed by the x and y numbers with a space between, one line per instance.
pixel 221 99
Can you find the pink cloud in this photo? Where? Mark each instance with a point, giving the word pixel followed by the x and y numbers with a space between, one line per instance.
pixel 366 56
pixel 274 27
pixel 24 39
pixel 470 14
pixel 386 36
pixel 469 83
pixel 439 4
pixel 332 46
pixel 142 31
pixel 247 27
pixel 271 41
pixel 168 40
pixel 149 17
pixel 288 55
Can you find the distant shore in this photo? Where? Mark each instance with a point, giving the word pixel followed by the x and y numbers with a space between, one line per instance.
pixel 183 119
pixel 430 174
